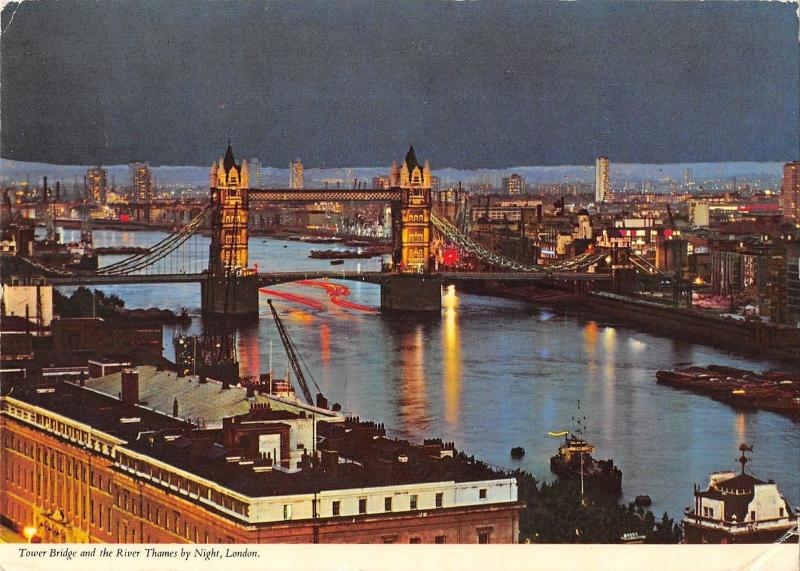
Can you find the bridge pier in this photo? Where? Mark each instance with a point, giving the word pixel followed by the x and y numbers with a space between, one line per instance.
pixel 234 297
pixel 408 293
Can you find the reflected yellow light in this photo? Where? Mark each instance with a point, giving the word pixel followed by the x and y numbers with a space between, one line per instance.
pixel 450 299
pixel 609 348
pixel 451 354
pixel 300 317
pixel 414 401
pixel 590 337
pixel 740 427
pixel 325 343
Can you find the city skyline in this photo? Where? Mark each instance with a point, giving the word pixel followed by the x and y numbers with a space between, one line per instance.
pixel 656 83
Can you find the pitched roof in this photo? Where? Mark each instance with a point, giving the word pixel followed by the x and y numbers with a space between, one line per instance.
pixel 411 159
pixel 229 162
pixel 740 483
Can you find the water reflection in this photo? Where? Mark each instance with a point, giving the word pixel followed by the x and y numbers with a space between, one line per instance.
pixel 412 386
pixel 249 351
pixel 325 355
pixel 741 426
pixel 590 346
pixel 451 356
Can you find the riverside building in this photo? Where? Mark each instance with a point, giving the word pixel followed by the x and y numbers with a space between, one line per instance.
pixel 101 461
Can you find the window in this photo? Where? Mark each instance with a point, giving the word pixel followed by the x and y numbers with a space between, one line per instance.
pixel 780 512
pixel 439 499
pixel 414 540
pixel 440 539
pixel 753 516
pixel 484 536
pixel 335 508
pixel 287 511
pixel 413 501
pixel 387 504
pixel 482 493
pixel 362 505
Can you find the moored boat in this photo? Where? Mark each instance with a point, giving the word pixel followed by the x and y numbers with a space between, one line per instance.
pixel 574 460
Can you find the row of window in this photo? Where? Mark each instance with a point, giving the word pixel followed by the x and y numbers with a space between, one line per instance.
pixel 388 504
pixel 50 424
pixel 184 485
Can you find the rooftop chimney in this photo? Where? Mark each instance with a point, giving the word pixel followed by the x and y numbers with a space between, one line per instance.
pixel 130 389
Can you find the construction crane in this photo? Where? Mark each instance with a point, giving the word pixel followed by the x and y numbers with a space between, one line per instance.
pixel 294 361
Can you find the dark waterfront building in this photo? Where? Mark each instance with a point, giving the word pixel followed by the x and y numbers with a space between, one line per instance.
pixel 793 284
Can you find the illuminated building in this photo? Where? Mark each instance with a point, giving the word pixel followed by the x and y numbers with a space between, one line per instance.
pixel 790 191
pixel 229 184
pixel 738 508
pixel 89 464
pixel 793 284
pixel 296 174
pixel 141 182
pixel 513 185
pixel 255 172
pixel 698 212
pixel 601 188
pixel 96 185
pixel 382 181
pixel 415 215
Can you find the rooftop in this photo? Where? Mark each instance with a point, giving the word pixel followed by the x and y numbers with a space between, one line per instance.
pixel 352 454
pixel 208 401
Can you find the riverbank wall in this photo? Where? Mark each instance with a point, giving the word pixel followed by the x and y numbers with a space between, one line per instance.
pixel 753 338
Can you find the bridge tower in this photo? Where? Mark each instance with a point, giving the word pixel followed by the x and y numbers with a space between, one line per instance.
pixel 230 287
pixel 412 287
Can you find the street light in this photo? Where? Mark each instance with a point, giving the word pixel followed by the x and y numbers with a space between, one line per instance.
pixel 29 532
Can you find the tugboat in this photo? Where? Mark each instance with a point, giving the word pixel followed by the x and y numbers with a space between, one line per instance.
pixel 574 460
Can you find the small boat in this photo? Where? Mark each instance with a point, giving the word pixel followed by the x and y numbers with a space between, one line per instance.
pixel 517 452
pixel 337 262
pixel 574 460
pixel 643 500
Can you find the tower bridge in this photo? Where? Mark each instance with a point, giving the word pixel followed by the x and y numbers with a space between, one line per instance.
pixel 229 286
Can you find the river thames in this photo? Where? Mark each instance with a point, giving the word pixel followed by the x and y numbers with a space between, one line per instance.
pixel 491 374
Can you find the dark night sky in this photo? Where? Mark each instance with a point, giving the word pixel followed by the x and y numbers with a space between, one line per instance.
pixel 471 84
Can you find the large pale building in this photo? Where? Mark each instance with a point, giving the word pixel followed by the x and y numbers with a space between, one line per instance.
pixel 601 186
pixel 296 174
pixel 96 184
pixel 92 464
pixel 790 191
pixel 255 173
pixel 141 181
pixel 513 185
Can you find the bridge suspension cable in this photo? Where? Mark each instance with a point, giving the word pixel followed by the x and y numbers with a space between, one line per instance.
pixel 449 230
pixel 159 251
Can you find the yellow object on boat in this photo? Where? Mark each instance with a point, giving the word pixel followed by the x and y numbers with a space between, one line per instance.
pixel 562 433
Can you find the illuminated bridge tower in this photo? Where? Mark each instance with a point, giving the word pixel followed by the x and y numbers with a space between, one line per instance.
pixel 412 287
pixel 230 288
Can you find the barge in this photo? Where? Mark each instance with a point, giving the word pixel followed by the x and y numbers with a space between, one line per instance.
pixel 771 390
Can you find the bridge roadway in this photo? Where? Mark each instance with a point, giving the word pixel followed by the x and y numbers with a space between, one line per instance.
pixel 274 278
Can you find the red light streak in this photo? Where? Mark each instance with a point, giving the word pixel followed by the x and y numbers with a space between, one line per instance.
pixel 336 292
pixel 293 297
